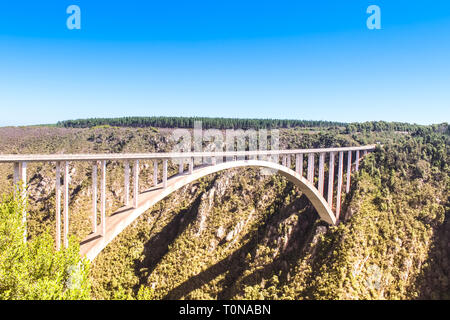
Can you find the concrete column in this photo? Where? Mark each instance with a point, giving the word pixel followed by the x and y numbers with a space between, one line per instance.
pixel 66 204
pixel 23 197
pixel 331 179
pixel 136 184
pixel 357 160
pixel 311 167
pixel 127 183
pixel 23 173
pixel 349 171
pixel 181 166
pixel 339 186
pixel 16 177
pixel 321 172
pixel 18 181
pixel 58 205
pixel 299 164
pixel 94 196
pixel 191 165
pixel 164 173
pixel 16 172
pixel 155 172
pixel 103 198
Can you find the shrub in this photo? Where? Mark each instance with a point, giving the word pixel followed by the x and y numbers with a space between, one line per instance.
pixel 34 270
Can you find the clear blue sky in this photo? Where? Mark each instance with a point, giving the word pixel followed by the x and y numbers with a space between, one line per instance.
pixel 226 58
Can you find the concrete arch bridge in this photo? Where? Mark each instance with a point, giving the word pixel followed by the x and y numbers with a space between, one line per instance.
pixel 288 163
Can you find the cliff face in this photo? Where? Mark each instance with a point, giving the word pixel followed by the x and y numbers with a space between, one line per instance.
pixel 243 234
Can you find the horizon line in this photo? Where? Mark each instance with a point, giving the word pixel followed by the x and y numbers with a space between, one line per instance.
pixel 337 123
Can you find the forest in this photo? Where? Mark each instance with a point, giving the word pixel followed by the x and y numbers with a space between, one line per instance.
pixel 235 123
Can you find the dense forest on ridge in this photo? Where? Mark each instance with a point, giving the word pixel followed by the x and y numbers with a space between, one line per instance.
pixel 236 123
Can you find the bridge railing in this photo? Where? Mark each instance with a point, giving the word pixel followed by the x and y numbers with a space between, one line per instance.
pixel 168 155
pixel 99 160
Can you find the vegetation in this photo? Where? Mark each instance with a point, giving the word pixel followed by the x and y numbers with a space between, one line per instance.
pixel 188 122
pixel 34 270
pixel 235 123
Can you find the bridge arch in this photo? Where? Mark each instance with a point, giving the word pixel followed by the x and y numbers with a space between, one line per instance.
pixel 92 245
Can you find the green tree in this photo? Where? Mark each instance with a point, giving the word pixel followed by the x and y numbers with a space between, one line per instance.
pixel 34 270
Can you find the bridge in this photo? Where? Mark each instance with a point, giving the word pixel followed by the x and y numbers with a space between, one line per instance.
pixel 327 202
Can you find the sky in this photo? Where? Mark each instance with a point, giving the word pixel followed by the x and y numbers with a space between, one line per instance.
pixel 311 60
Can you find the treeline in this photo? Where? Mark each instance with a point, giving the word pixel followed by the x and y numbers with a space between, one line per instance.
pixel 380 126
pixel 235 123
pixel 188 122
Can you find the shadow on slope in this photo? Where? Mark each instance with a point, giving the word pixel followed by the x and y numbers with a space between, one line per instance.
pixel 158 246
pixel 433 282
pixel 235 264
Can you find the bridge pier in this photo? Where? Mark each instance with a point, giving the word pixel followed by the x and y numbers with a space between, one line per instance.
pixel 23 197
pixel 349 170
pixel 66 203
pixel 191 165
pixel 20 176
pixel 127 183
pixel 331 179
pixel 310 176
pixel 339 186
pixel 16 178
pixel 155 172
pixel 299 164
pixel 181 166
pixel 164 173
pixel 357 161
pixel 94 196
pixel 321 172
pixel 135 183
pixel 58 205
pixel 103 198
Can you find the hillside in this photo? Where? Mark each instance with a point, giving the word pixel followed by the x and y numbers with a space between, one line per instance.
pixel 243 235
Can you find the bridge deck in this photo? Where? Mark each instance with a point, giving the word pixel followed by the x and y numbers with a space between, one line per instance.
pixel 170 155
